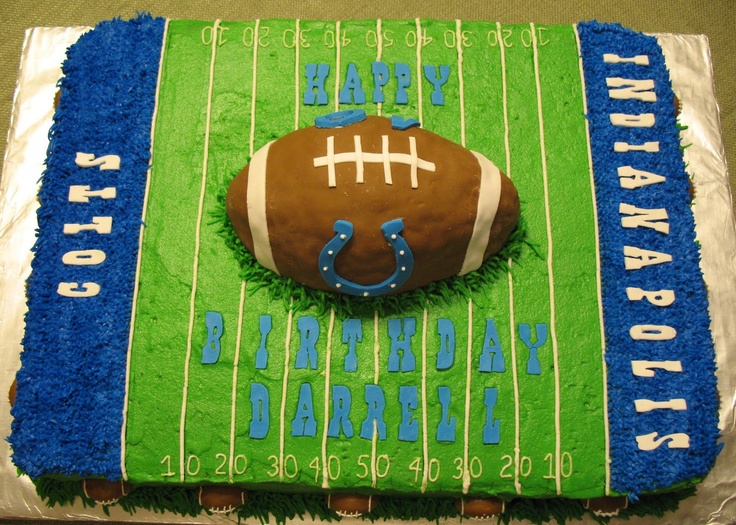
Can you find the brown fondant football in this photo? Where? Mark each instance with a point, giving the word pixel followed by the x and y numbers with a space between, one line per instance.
pixel 221 498
pixel 104 491
pixel 367 208
pixel 12 392
pixel 480 508
pixel 606 506
pixel 351 505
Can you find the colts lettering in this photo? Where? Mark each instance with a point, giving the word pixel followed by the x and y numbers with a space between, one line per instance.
pixel 99 225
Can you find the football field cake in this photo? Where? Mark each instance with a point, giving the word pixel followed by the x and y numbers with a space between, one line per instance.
pixel 526 332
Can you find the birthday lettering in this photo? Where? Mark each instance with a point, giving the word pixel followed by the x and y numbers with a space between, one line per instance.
pixel 371 400
pixel 354 85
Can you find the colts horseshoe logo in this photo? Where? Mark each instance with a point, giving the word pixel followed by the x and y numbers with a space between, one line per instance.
pixel 343 232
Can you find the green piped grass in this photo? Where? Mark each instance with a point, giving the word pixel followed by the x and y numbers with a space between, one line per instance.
pixel 274 506
pixel 299 297
pixel 538 511
pixel 54 491
pixel 397 508
pixel 180 500
pixel 278 507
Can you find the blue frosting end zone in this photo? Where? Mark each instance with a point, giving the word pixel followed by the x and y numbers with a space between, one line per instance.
pixel 79 344
pixel 633 470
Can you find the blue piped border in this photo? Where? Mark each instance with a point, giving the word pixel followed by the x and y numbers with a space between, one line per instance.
pixel 106 108
pixel 634 471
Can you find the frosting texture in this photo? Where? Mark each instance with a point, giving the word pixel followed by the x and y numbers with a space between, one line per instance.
pixel 71 387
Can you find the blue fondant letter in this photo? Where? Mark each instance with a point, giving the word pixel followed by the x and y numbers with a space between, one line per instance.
pixel 446 354
pixel 438 98
pixel 446 427
pixel 401 345
pixel 491 359
pixel 352 87
pixel 492 428
pixel 380 79
pixel 259 401
pixel 341 401
pixel 316 75
pixel 409 428
pixel 525 333
pixel 264 326
pixel 304 423
pixel 403 77
pixel 376 404
pixel 307 353
pixel 211 348
pixel 352 333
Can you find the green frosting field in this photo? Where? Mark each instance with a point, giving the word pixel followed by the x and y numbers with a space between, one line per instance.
pixel 192 423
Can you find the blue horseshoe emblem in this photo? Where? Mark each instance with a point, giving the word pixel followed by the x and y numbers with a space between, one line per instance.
pixel 343 232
